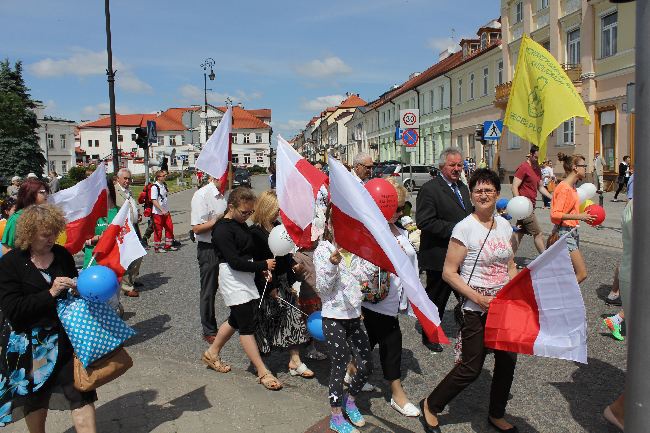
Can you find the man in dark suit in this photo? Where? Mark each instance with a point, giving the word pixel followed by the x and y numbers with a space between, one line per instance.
pixel 441 203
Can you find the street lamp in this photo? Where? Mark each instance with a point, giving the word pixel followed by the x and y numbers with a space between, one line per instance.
pixel 207 63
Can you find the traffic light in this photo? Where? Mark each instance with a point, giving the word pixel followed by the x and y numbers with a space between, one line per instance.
pixel 478 134
pixel 141 138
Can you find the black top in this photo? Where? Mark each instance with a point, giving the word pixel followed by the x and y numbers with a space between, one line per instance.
pixel 262 251
pixel 234 245
pixel 25 299
pixel 437 212
pixel 622 169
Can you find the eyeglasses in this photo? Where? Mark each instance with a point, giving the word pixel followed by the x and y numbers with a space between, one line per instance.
pixel 488 191
pixel 246 213
pixel 581 165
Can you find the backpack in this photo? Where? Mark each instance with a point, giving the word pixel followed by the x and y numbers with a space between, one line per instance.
pixel 145 198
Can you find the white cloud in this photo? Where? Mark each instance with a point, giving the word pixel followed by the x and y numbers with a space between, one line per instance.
pixel 322 102
pixel 191 94
pixel 289 128
pixel 438 45
pixel 323 68
pixel 85 62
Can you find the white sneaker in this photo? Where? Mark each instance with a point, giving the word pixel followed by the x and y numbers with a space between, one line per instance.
pixel 409 409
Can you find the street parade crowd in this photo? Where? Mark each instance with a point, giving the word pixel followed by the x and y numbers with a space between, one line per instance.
pixel 313 299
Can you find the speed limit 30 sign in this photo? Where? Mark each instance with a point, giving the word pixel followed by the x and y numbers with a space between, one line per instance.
pixel 409 118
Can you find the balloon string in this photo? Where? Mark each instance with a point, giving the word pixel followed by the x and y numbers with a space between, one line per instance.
pixel 263 293
pixel 90 263
pixel 292 306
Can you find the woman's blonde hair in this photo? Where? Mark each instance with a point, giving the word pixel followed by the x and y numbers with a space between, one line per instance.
pixel 35 219
pixel 401 191
pixel 266 209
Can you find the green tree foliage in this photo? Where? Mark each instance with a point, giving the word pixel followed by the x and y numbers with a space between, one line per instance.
pixel 20 152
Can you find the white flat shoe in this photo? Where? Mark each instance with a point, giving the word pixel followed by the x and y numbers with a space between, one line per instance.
pixel 409 409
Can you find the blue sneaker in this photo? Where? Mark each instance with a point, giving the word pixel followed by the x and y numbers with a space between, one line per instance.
pixel 340 425
pixel 352 411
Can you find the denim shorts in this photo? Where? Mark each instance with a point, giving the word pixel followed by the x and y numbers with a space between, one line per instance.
pixel 573 240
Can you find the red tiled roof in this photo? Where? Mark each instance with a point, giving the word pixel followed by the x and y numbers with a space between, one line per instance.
pixel 344 115
pixel 243 119
pixel 172 119
pixel 312 121
pixel 121 120
pixel 262 113
pixel 352 101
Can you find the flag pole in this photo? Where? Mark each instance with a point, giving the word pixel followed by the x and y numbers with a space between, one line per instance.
pixel 637 388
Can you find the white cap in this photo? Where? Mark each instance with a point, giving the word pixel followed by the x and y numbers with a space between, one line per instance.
pixel 15 179
pixel 32 175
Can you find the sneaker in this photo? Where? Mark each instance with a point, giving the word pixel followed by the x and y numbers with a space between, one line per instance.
pixel 352 411
pixel 340 425
pixel 159 250
pixel 614 301
pixel 614 328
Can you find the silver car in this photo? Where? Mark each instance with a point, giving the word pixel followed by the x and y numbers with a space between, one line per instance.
pixel 414 176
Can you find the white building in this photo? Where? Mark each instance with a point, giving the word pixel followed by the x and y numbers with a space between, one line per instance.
pixel 56 138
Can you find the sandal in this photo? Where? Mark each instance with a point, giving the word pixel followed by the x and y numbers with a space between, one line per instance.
pixel 270 382
pixel 215 363
pixel 302 371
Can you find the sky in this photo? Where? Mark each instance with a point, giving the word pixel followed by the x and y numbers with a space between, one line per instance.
pixel 294 57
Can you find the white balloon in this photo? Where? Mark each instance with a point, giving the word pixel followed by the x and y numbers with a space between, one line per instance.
pixel 588 189
pixel 519 208
pixel 280 242
pixel 582 195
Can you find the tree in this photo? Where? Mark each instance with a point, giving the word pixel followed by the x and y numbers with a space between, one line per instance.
pixel 20 152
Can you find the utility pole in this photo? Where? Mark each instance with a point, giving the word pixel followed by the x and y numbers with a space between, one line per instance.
pixel 207 63
pixel 637 388
pixel 111 87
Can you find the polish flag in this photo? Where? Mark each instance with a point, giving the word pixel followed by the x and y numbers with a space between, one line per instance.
pixel 119 245
pixel 215 155
pixel 361 228
pixel 82 205
pixel 297 184
pixel 541 311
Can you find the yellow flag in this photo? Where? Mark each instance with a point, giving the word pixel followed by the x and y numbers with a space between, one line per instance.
pixel 542 96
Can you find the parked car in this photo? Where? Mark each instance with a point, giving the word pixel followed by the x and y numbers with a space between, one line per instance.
pixel 413 177
pixel 242 177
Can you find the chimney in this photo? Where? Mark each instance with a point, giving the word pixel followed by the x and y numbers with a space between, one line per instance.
pixel 240 105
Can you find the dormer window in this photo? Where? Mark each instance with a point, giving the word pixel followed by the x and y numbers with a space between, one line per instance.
pixel 484 40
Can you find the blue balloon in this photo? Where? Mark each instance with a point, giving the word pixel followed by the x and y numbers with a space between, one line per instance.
pixel 315 326
pixel 97 283
pixel 502 203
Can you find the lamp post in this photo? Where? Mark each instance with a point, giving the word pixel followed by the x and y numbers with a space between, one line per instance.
pixel 207 63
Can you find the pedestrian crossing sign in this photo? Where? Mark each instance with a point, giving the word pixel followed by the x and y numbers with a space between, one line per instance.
pixel 492 129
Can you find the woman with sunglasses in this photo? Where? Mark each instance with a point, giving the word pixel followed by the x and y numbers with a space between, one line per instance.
pixel 380 311
pixel 32 191
pixel 235 249
pixel 565 209
pixel 478 264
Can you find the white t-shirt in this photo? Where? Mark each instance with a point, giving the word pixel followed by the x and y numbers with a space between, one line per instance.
pixel 390 305
pixel 491 269
pixel 207 203
pixel 159 192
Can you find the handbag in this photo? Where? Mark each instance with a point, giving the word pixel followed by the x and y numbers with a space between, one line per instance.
pixel 102 371
pixel 94 328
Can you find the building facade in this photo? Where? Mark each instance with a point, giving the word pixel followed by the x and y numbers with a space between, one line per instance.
pixel 57 140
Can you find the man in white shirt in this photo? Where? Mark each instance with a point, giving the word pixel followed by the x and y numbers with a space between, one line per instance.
pixel 599 166
pixel 161 216
pixel 208 206
pixel 123 194
pixel 362 167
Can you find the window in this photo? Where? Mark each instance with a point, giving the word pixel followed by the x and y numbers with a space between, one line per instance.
pixel 459 142
pixel 441 93
pixel 486 74
pixel 64 167
pixel 50 141
pixel 235 158
pixel 247 138
pixel 543 4
pixel 133 137
pixel 384 116
pixel 431 99
pixel 568 132
pixel 608 35
pixel 247 158
pixel 172 140
pixel 52 166
pixel 519 12
pixel 234 138
pixel 120 138
pixel 389 117
pixel 96 156
pixel 608 137
pixel 96 143
pixel 161 140
pixel 258 137
pixel 573 47
pixel 471 86
pixel 259 156
pixel 62 138
pixel 500 72
pixel 484 40
pixel 460 90
pixel 514 142
pixel 90 143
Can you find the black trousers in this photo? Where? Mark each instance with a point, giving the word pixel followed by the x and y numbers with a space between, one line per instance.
pixel 620 187
pixel 472 359
pixel 385 331
pixel 209 277
pixel 438 291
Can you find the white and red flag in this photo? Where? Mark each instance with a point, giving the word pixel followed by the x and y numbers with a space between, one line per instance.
pixel 361 228
pixel 119 245
pixel 82 205
pixel 541 311
pixel 297 183
pixel 215 155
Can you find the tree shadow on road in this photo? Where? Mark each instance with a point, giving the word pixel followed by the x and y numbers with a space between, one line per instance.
pixel 592 387
pixel 136 411
pixel 149 328
pixel 153 281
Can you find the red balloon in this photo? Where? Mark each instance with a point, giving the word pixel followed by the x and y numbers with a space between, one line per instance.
pixel 384 194
pixel 598 212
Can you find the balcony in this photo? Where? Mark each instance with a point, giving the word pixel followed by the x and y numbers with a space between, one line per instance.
pixel 573 71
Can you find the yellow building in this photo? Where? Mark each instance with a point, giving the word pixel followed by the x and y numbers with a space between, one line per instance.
pixel 594 41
